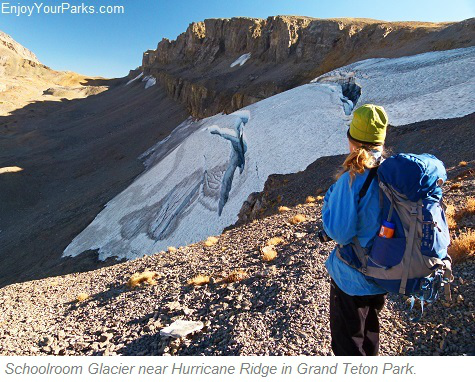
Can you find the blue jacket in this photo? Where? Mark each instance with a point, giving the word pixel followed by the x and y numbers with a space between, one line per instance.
pixel 344 218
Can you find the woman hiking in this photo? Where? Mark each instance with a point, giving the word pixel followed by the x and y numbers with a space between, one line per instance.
pixel 349 216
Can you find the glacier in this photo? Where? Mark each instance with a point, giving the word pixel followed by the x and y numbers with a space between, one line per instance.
pixel 414 88
pixel 196 180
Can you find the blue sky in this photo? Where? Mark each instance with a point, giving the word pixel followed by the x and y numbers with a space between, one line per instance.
pixel 110 45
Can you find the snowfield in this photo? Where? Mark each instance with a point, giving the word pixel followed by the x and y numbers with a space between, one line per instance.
pixel 149 80
pixel 197 179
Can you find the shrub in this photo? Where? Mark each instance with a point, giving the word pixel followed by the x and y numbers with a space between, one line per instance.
pixel 210 241
pixel 235 276
pixel 199 280
pixel 268 253
pixel 275 241
pixel 450 214
pixel 142 277
pixel 462 247
pixel 467 209
pixel 283 209
pixel 82 297
pixel 299 218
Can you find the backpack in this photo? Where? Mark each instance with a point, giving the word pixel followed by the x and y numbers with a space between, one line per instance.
pixel 414 262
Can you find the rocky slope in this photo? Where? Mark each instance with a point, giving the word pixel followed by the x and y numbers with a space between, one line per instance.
pixel 24 79
pixel 78 154
pixel 277 308
pixel 76 146
pixel 7 42
pixel 285 51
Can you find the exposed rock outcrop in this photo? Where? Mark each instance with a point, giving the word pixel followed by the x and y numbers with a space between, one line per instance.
pixel 20 50
pixel 286 51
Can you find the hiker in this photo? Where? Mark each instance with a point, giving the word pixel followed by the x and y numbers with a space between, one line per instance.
pixel 355 301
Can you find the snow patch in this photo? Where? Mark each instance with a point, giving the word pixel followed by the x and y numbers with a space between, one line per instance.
pixel 135 79
pixel 241 60
pixel 149 81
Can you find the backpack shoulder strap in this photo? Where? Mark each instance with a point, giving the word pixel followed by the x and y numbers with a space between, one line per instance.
pixel 369 179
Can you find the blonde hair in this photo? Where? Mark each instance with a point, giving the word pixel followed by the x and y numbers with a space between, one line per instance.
pixel 359 160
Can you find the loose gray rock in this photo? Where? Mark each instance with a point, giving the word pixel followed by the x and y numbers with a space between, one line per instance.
pixel 106 337
pixel 46 341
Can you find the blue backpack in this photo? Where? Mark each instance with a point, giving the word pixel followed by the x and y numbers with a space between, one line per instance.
pixel 414 262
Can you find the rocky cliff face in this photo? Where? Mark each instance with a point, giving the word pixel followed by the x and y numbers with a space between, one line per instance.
pixel 285 51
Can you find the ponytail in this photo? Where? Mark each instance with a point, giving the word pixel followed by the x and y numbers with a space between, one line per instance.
pixel 358 161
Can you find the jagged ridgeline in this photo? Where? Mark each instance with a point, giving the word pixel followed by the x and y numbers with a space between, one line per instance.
pixel 280 53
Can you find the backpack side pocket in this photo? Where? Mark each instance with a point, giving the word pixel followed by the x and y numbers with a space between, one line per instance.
pixel 386 253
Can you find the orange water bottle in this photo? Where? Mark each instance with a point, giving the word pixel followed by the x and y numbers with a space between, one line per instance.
pixel 387 229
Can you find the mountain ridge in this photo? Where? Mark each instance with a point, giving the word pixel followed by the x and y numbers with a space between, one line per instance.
pixel 195 67
pixel 24 79
pixel 7 41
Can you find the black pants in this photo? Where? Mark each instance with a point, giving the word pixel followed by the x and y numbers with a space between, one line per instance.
pixel 354 322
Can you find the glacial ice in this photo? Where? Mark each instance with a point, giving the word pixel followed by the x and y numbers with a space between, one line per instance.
pixel 198 187
pixel 239 147
pixel 197 179
pixel 415 88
